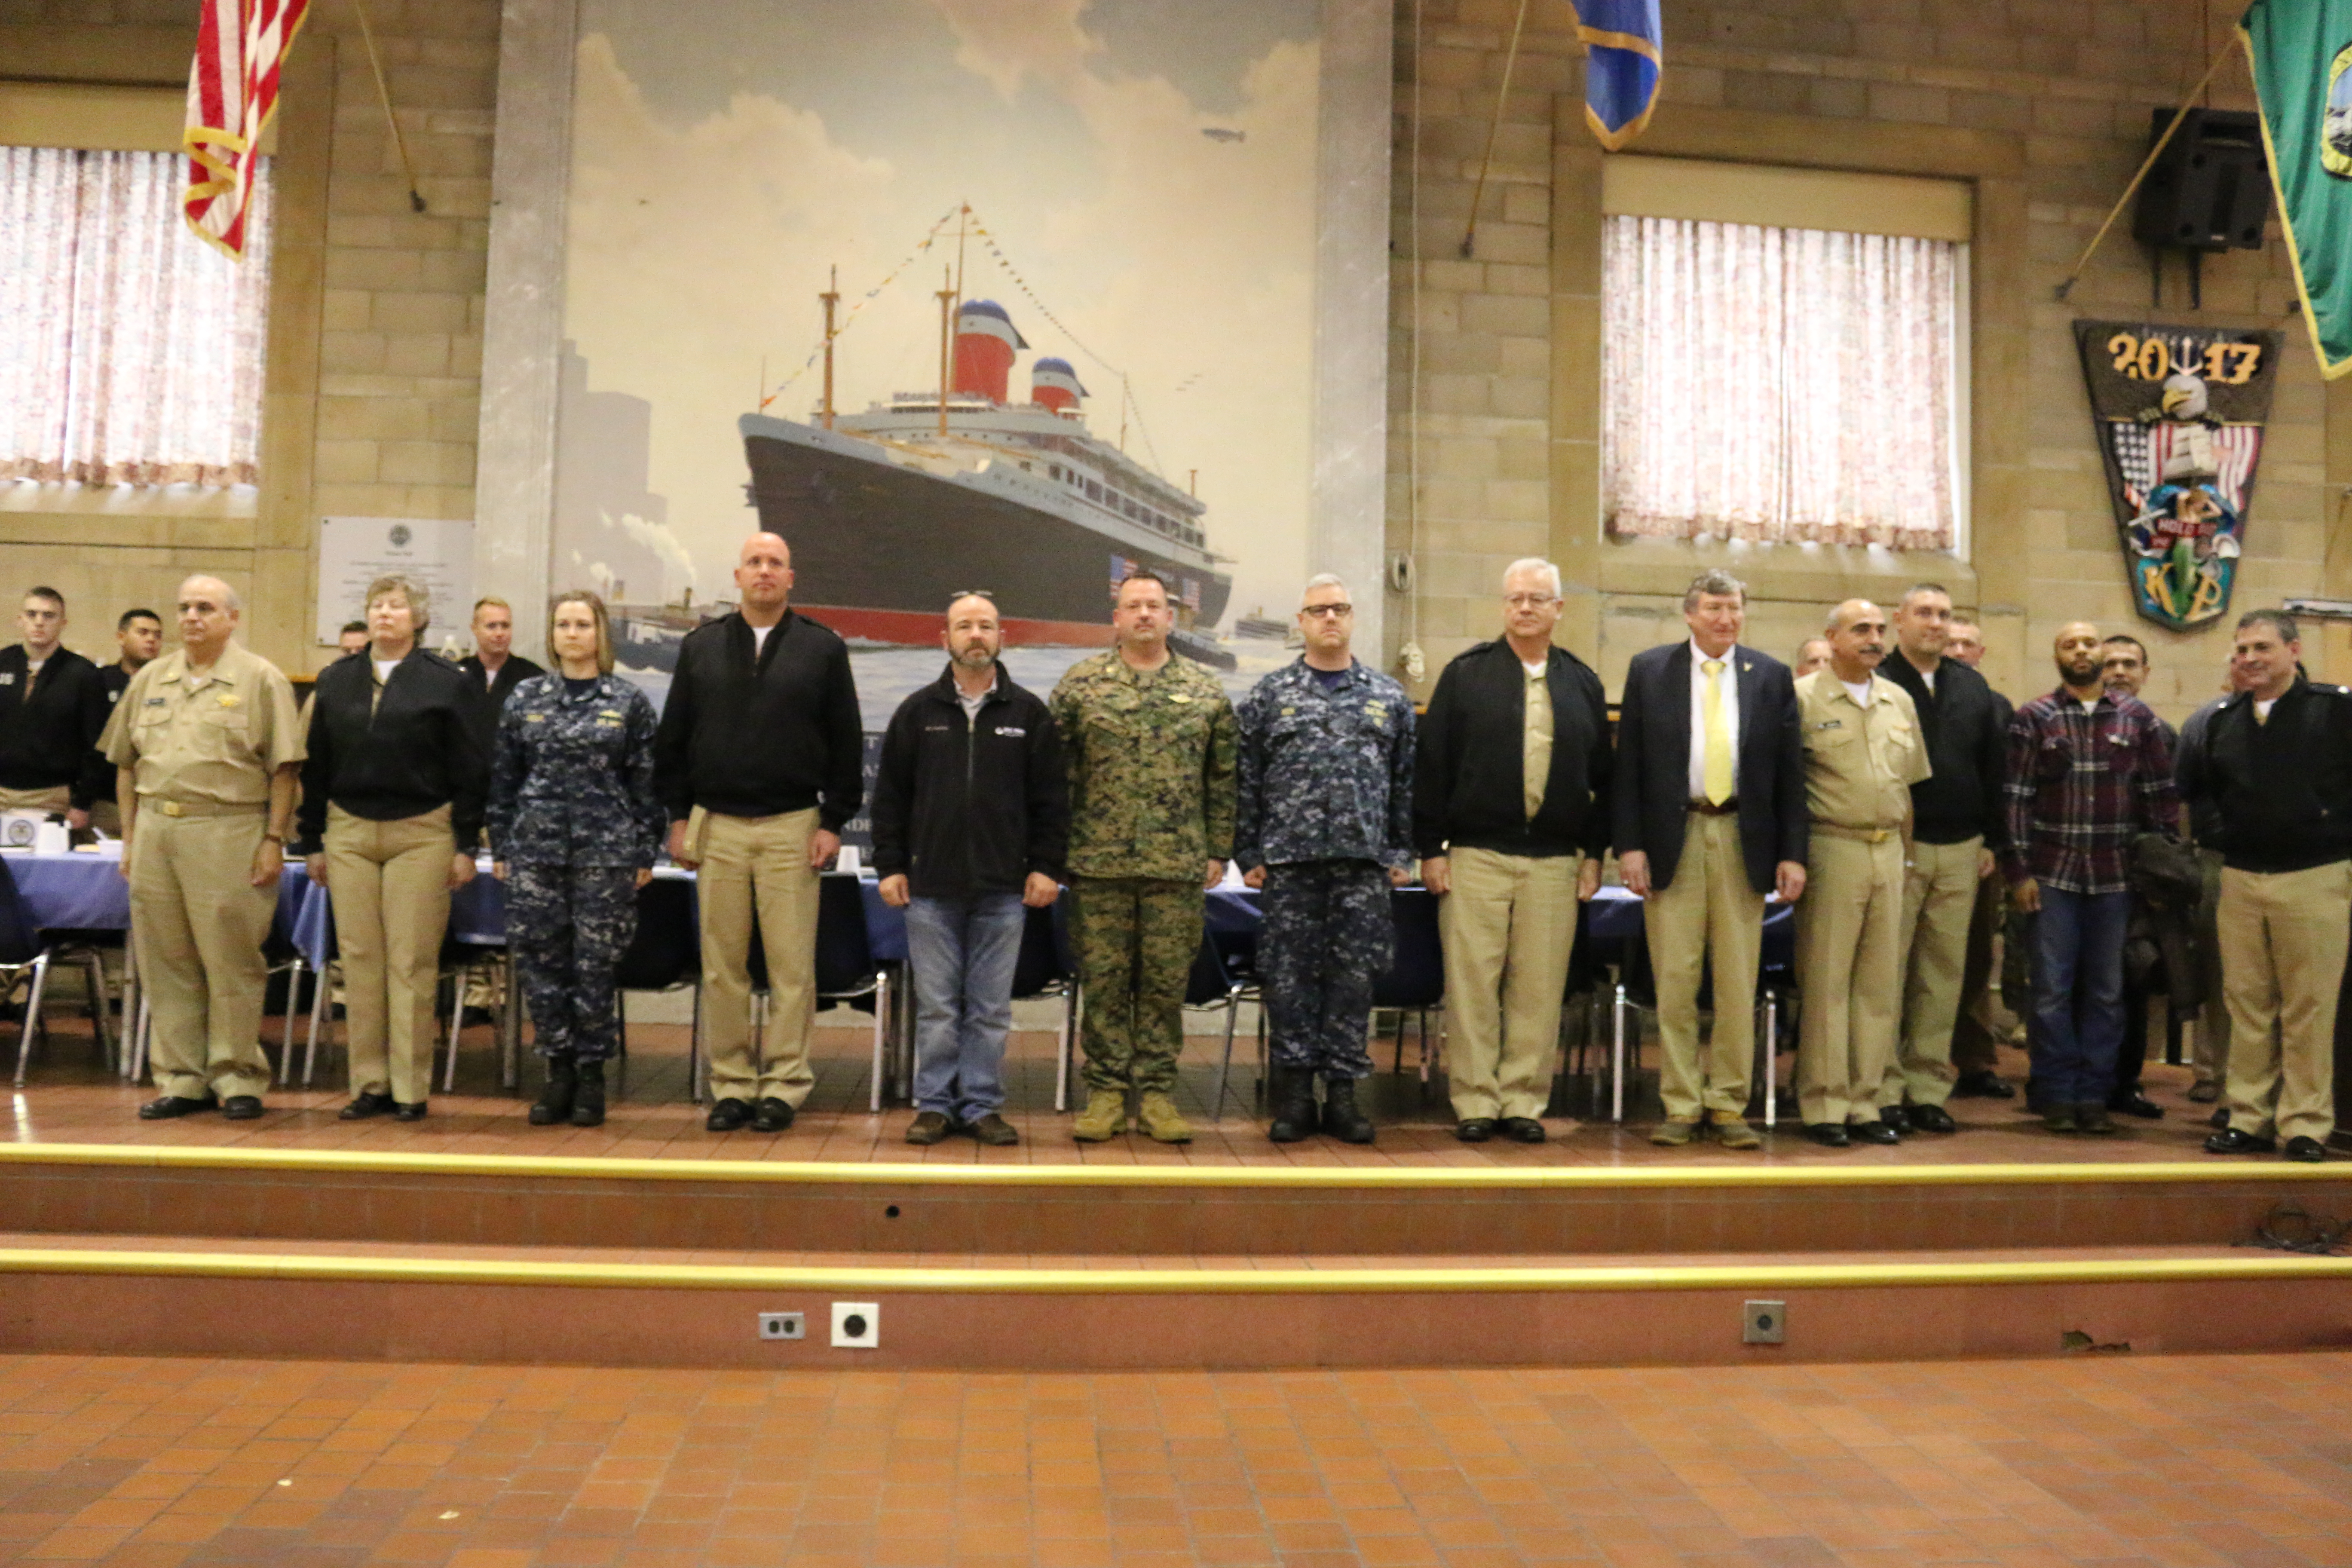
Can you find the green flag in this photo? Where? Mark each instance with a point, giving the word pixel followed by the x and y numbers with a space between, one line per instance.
pixel 2300 51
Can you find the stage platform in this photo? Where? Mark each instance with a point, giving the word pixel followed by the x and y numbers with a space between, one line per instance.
pixel 474 1237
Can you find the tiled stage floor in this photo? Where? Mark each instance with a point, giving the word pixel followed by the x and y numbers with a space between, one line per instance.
pixel 2193 1461
pixel 70 1099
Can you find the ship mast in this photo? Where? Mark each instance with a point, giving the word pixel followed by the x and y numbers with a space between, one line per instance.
pixel 947 328
pixel 831 297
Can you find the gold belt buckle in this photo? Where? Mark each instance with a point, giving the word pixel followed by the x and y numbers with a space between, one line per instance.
pixel 1881 835
pixel 173 808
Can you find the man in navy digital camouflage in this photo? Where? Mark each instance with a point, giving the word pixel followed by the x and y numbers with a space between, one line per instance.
pixel 1325 828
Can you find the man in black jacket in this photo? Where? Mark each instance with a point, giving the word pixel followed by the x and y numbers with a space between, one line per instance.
pixel 53 708
pixel 972 818
pixel 393 787
pixel 759 760
pixel 494 668
pixel 1957 823
pixel 138 635
pixel 2276 767
pixel 1975 1049
pixel 1711 816
pixel 1510 816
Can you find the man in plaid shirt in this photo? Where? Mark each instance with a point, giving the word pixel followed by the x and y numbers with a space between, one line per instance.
pixel 2088 770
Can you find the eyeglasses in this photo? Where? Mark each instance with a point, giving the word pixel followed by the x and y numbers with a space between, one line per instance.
pixel 1530 601
pixel 1327 612
pixel 970 593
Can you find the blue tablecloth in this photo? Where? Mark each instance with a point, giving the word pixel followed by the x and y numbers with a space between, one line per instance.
pixel 72 892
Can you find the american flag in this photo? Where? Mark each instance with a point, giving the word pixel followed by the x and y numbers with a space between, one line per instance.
pixel 2142 450
pixel 232 93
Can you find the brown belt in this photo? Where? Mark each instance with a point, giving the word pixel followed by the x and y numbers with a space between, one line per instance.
pixel 1859 834
pixel 1708 808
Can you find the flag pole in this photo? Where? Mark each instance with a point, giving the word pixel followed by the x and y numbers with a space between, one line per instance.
pixel 415 198
pixel 1494 127
pixel 2146 164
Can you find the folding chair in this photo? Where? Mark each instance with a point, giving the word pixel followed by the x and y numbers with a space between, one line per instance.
pixel 1416 979
pixel 665 954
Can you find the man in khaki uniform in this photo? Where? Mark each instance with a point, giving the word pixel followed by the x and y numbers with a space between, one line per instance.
pixel 1862 753
pixel 206 745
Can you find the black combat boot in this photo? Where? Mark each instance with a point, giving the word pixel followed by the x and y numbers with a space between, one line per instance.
pixel 588 1103
pixel 1341 1119
pixel 554 1105
pixel 1291 1095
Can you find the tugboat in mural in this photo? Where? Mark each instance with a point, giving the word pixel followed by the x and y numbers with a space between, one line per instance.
pixel 892 510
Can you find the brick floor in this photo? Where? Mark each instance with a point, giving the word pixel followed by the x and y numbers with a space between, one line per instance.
pixel 2192 1461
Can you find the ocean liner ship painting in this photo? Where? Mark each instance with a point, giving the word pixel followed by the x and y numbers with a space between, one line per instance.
pixel 891 511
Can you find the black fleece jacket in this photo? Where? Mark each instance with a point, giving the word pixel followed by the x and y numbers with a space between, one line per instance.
pixel 1468 788
pixel 46 739
pixel 1966 724
pixel 758 731
pixel 2282 790
pixel 414 750
pixel 964 807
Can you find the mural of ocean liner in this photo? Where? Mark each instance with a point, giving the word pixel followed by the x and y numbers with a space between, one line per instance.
pixel 892 510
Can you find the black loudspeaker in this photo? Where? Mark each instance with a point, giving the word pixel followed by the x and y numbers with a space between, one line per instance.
pixel 2211 188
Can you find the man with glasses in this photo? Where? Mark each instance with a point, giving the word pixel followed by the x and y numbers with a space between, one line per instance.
pixel 1711 816
pixel 1325 828
pixel 1511 794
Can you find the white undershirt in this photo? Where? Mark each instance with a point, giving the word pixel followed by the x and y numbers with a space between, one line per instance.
pixel 2263 709
pixel 1727 675
pixel 1928 676
pixel 1538 668
pixel 2089 704
pixel 384 668
pixel 1859 693
pixel 760 639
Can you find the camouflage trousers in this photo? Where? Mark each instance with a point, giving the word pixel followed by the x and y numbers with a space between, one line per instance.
pixel 1327 936
pixel 1136 938
pixel 568 926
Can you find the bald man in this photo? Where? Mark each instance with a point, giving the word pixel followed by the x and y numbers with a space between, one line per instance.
pixel 2089 769
pixel 760 761
pixel 207 746
pixel 1864 750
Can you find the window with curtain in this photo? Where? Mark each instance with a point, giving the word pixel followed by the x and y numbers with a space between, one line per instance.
pixel 131 351
pixel 1778 385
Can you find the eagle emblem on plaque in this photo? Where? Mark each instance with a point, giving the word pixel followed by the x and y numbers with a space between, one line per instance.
pixel 2179 413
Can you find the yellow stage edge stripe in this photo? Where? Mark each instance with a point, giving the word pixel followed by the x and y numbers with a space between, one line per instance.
pixel 1162 1282
pixel 811 1173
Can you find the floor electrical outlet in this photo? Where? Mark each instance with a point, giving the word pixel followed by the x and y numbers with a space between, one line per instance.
pixel 782 1326
pixel 1764 1323
pixel 856 1326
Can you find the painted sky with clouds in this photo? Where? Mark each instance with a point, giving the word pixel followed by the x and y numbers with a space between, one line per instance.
pixel 727 153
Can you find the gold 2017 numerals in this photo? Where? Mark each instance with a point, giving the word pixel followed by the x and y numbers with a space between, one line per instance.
pixel 2150 358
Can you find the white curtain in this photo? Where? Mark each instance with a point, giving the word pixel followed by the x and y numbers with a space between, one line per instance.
pixel 1777 384
pixel 131 351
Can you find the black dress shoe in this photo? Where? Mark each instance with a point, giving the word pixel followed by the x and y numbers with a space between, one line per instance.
pixel 1828 1135
pixel 2306 1151
pixel 171 1105
pixel 408 1112
pixel 728 1115
pixel 774 1116
pixel 1474 1129
pixel 1983 1084
pixel 2136 1104
pixel 1894 1116
pixel 1881 1132
pixel 2229 1140
pixel 1930 1119
pixel 366 1103
pixel 1521 1128
pixel 241 1108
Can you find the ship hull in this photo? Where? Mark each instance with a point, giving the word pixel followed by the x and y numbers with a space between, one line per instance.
pixel 883 547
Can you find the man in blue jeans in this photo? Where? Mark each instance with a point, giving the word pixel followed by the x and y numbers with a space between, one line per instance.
pixel 2089 770
pixel 972 818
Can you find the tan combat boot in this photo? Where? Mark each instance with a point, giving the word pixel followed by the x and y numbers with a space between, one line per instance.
pixel 1104 1117
pixel 1159 1115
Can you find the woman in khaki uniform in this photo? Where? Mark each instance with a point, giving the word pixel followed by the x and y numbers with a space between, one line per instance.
pixel 393 786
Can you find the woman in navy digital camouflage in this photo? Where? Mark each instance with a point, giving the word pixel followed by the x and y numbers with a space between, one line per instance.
pixel 574 827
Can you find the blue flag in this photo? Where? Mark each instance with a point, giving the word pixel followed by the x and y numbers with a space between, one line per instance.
pixel 1624 54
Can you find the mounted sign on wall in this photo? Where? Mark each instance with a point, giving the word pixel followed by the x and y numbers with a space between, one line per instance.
pixel 355 551
pixel 2179 413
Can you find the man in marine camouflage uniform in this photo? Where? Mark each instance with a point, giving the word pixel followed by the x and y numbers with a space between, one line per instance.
pixel 1149 743
pixel 1325 827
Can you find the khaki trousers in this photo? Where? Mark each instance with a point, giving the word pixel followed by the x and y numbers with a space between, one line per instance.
pixel 1709 906
pixel 390 884
pixel 198 922
pixel 2283 939
pixel 59 798
pixel 1939 899
pixel 2211 1052
pixel 759 864
pixel 1508 928
pixel 1849 970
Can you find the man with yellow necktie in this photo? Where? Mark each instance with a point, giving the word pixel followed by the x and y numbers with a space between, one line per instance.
pixel 1710 816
